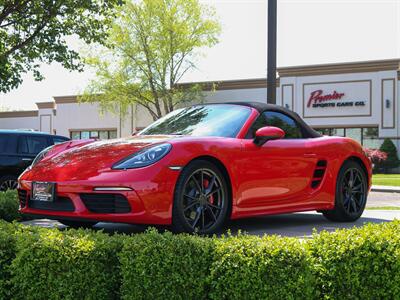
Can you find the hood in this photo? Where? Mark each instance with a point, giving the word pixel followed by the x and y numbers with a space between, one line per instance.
pixel 90 159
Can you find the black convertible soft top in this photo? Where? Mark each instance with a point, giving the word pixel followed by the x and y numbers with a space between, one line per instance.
pixel 261 107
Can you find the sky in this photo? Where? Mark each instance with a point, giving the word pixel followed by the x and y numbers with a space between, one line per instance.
pixel 309 32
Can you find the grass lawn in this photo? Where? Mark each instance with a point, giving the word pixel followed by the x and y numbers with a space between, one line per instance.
pixel 383 208
pixel 386 179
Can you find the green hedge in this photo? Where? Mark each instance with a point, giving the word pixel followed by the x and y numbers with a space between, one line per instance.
pixel 39 263
pixel 362 263
pixel 7 254
pixel 249 267
pixel 75 264
pixel 165 266
pixel 9 204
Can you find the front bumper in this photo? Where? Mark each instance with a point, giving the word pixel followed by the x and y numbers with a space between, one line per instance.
pixel 71 202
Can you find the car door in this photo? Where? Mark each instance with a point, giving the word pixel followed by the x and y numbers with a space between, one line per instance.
pixel 276 174
pixel 29 146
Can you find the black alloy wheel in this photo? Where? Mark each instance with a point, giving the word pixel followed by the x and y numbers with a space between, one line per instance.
pixel 201 199
pixel 351 193
pixel 8 183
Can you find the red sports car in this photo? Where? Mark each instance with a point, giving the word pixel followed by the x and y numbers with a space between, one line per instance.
pixel 198 167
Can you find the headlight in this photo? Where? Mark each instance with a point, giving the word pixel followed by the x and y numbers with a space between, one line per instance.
pixel 41 155
pixel 144 158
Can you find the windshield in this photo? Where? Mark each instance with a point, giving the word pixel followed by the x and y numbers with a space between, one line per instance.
pixel 222 120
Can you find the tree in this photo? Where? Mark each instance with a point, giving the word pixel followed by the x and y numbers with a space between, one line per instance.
pixel 150 47
pixel 34 31
pixel 392 160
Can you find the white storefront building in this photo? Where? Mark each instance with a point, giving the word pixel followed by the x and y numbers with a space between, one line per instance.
pixel 360 100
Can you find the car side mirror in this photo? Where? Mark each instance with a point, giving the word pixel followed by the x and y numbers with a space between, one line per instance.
pixel 268 133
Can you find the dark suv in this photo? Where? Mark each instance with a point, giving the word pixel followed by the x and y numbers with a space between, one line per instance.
pixel 17 151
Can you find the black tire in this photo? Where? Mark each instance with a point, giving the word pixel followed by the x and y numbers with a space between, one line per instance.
pixel 8 182
pixel 351 194
pixel 77 224
pixel 199 208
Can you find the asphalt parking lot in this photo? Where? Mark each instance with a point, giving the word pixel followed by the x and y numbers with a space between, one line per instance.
pixel 295 225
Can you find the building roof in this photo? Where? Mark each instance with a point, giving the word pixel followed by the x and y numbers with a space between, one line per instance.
pixel 44 105
pixel 341 68
pixel 19 114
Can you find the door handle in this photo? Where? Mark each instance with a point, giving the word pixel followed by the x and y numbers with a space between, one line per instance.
pixel 27 159
pixel 310 155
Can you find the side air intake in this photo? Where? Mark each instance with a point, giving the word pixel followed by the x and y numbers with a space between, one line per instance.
pixel 319 173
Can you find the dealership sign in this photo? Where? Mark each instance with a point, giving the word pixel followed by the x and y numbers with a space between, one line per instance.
pixel 336 99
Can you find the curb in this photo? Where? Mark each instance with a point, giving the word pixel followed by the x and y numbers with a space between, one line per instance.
pixel 385 189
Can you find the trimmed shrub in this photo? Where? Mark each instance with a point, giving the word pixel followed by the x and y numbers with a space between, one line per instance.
pixel 392 160
pixel 39 263
pixel 165 266
pixel 248 267
pixel 362 263
pixel 7 254
pixel 75 264
pixel 9 205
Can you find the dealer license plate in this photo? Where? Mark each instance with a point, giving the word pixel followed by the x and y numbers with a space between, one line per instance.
pixel 43 191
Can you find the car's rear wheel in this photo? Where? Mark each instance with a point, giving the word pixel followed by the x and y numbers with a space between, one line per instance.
pixel 77 224
pixel 8 182
pixel 201 199
pixel 351 194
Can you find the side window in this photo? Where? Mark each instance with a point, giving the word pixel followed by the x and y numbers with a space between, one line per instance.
pixel 22 145
pixel 277 119
pixel 284 122
pixel 8 143
pixel 32 144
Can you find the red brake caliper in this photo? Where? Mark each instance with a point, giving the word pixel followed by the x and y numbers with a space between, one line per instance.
pixel 206 182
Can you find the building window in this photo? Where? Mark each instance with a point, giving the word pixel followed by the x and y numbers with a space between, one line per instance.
pixel 371 138
pixel 93 134
pixel 112 134
pixel 354 133
pixel 368 137
pixel 103 135
pixel 85 135
pixel 75 135
pixel 337 131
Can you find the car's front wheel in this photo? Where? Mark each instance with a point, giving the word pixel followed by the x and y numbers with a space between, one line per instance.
pixel 351 194
pixel 201 199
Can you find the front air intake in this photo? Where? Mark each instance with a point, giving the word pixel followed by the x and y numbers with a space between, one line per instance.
pixel 59 204
pixel 22 195
pixel 319 173
pixel 106 203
